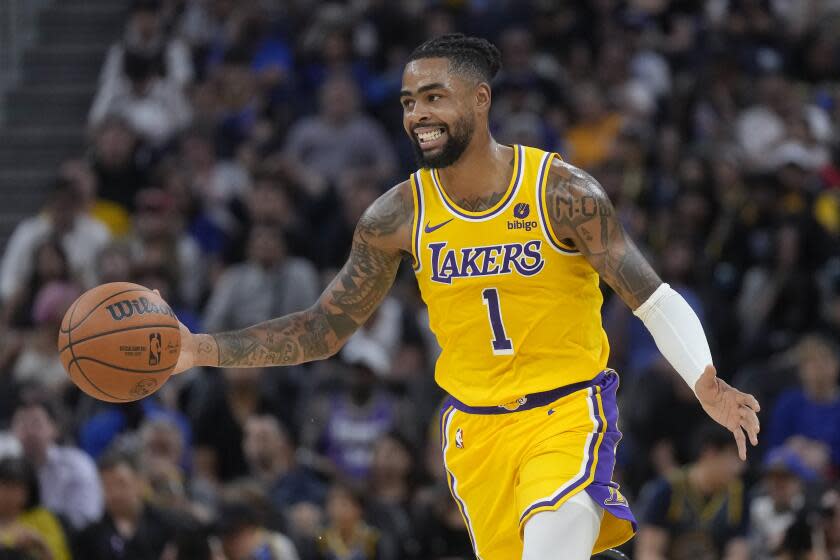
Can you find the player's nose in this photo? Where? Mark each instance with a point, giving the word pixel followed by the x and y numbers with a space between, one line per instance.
pixel 418 113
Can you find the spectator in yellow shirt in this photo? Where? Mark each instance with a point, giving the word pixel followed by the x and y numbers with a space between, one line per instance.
pixel 25 524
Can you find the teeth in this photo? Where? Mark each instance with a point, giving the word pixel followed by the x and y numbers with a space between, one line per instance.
pixel 430 135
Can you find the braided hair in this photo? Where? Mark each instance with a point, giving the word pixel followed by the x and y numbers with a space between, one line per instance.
pixel 467 55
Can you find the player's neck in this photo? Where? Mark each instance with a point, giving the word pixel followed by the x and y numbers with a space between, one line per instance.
pixel 483 169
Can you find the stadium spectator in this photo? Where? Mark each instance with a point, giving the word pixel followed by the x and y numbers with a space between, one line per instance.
pixel 345 425
pixel 269 284
pixel 244 537
pixel 145 34
pixel 67 477
pixel 130 527
pixel 698 512
pixel 113 264
pixel 347 535
pixel 657 423
pixel 164 463
pixel 782 497
pixel 25 524
pixel 528 79
pixel 220 419
pixel 340 138
pixel 214 182
pixel 270 454
pixel 39 361
pixel 121 164
pixel 105 423
pixel 159 242
pixel 50 266
pixel 381 336
pixel 392 479
pixel 273 200
pixel 594 128
pixel 154 106
pixel 358 191
pixel 805 418
pixel 81 237
pixel 440 527
pixel 239 102
pixel 193 544
pixel 816 531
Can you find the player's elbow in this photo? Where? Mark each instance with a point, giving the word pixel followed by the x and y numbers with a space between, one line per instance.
pixel 330 330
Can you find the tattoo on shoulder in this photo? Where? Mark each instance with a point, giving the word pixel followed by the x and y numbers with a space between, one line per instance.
pixel 581 214
pixel 386 215
pixel 369 272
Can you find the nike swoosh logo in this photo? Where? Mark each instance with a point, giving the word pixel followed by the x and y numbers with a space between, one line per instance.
pixel 430 229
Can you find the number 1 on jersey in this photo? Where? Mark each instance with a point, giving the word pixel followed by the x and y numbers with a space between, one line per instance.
pixel 501 343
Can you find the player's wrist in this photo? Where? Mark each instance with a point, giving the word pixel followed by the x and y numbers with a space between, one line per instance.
pixel 205 350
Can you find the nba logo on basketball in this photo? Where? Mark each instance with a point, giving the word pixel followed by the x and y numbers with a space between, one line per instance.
pixel 154 349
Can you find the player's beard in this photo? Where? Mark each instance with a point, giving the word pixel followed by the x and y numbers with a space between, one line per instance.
pixel 458 138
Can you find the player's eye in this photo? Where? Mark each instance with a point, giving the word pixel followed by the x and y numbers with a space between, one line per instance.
pixel 434 97
pixel 407 103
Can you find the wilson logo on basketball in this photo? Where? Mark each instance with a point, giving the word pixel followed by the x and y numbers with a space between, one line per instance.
pixel 140 306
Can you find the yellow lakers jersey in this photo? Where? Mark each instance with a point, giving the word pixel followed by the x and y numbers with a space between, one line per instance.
pixel 514 309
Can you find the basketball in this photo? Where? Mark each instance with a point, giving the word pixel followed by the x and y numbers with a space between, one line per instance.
pixel 119 342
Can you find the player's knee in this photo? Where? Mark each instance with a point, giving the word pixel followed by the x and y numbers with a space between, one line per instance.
pixel 569 532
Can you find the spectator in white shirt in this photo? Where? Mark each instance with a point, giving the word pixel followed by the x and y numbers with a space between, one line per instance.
pixel 145 34
pixel 68 479
pixel 155 107
pixel 81 236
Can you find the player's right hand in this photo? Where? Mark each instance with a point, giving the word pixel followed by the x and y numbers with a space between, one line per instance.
pixel 189 346
pixel 729 407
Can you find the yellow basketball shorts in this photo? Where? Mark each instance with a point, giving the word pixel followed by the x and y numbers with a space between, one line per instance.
pixel 507 463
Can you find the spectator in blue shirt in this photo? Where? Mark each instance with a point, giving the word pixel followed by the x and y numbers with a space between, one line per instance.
pixel 806 417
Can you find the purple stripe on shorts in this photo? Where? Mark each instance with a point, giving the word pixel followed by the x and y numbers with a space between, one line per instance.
pixel 587 471
pixel 450 477
pixel 602 490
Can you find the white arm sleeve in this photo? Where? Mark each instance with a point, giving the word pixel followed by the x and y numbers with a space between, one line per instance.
pixel 677 332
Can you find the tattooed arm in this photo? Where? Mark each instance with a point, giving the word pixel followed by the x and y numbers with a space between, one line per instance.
pixel 582 216
pixel 379 242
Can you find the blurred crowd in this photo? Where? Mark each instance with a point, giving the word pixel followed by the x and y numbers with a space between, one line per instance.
pixel 233 144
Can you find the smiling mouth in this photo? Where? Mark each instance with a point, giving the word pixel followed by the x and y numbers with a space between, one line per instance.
pixel 430 137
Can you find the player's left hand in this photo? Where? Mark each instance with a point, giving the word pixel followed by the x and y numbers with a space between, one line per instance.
pixel 729 407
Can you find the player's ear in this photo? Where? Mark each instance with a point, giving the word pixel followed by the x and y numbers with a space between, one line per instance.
pixel 483 97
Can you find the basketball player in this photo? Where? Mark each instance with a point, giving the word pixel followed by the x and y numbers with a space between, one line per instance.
pixel 508 244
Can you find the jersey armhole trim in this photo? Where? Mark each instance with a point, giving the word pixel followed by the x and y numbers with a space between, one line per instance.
pixel 417 224
pixel 542 203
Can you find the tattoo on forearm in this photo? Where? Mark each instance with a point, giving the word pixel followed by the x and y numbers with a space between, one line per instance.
pixel 582 214
pixel 346 304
